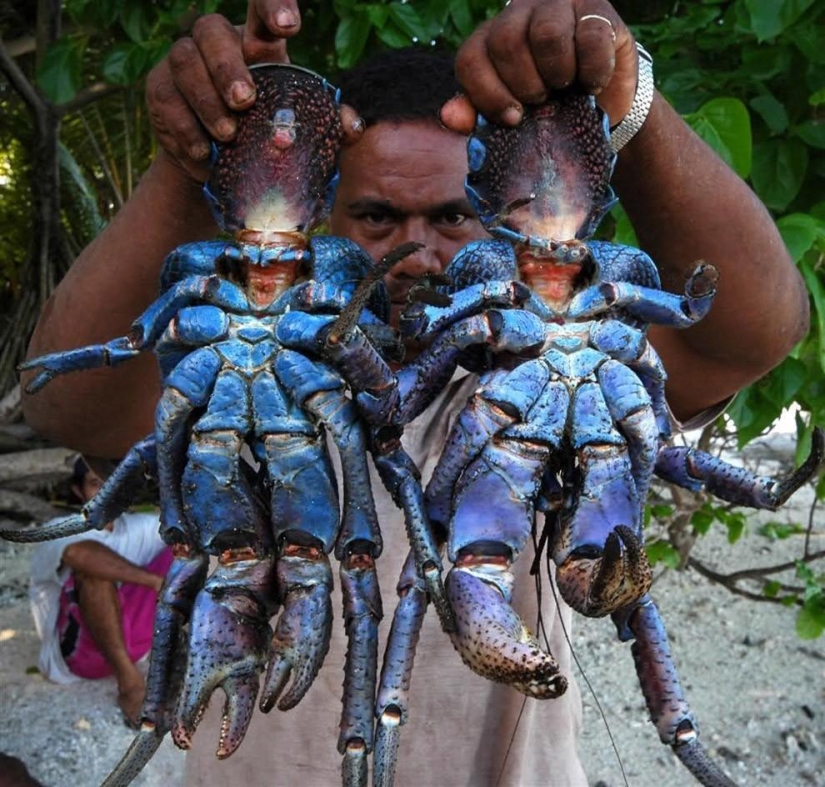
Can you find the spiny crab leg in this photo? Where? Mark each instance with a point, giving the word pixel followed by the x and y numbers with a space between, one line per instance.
pixel 168 660
pixel 114 497
pixel 392 703
pixel 662 689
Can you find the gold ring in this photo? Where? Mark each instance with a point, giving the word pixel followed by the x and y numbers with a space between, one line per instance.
pixel 601 19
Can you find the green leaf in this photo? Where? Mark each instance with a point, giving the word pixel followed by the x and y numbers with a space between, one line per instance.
pixel 462 17
pixel 60 75
pixel 770 17
pixel 662 552
pixel 817 98
pixel 810 40
pixel 799 231
pixel 810 622
pixel 661 511
pixel 736 527
pixel 136 20
pixel 816 288
pixel 351 38
pixel 724 123
pixel 702 520
pixel 779 168
pixel 126 63
pixel 772 588
pixel 812 132
pixel 408 20
pixel 771 111
pixel 393 37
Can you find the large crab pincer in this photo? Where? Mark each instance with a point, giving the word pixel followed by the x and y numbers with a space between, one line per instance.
pixel 239 334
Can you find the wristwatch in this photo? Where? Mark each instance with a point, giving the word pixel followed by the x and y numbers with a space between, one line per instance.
pixel 635 118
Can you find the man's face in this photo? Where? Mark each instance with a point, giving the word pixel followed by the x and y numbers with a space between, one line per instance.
pixel 404 182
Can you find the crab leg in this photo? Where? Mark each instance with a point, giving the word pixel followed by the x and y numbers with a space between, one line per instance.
pixel 694 470
pixel 663 692
pixel 168 660
pixel 111 501
pixel 392 703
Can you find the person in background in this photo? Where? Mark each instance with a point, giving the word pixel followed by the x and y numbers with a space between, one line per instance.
pixel 93 598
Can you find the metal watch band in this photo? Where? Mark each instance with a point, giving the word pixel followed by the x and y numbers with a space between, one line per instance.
pixel 633 120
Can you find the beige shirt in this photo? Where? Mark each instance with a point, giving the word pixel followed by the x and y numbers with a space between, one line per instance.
pixel 462 729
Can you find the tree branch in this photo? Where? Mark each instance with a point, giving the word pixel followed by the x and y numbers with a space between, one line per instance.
pixel 87 96
pixel 18 80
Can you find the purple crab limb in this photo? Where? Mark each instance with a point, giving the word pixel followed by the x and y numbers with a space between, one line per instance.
pixel 392 702
pixel 663 691
pixel 229 636
pixel 696 470
pixel 650 305
pixel 302 635
pixel 167 662
pixel 490 636
pixel 362 614
pixel 92 357
pixel 403 481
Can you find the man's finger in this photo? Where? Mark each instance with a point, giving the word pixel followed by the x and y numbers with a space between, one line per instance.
pixel 268 23
pixel 482 83
pixel 219 44
pixel 459 115
pixel 201 98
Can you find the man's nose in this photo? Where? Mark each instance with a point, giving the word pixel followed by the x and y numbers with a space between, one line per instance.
pixel 426 261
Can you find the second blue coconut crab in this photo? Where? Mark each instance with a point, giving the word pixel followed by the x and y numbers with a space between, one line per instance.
pixel 569 418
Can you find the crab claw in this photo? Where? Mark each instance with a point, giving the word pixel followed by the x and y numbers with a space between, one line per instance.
pixel 597 582
pixel 492 639
pixel 228 641
pixel 301 638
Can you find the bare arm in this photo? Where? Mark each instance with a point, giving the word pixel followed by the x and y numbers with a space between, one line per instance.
pixel 684 202
pixel 688 206
pixel 96 560
pixel 103 412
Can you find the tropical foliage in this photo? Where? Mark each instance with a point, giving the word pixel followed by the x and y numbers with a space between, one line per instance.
pixel 749 76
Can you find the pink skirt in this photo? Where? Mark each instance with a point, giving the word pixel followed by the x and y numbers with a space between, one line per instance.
pixel 137 606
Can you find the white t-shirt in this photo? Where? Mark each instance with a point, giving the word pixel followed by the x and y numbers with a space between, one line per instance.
pixel 133 536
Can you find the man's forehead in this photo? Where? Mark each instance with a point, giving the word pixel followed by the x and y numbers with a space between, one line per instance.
pixel 414 155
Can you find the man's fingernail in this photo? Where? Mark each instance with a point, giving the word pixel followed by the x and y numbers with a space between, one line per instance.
pixel 226 128
pixel 241 92
pixel 358 125
pixel 285 18
pixel 512 115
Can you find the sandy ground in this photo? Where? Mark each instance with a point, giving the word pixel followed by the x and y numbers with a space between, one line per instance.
pixel 756 689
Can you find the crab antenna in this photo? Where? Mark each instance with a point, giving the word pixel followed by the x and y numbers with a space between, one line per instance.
pixel 352 311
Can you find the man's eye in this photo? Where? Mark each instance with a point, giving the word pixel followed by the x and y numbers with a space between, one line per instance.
pixel 453 219
pixel 376 218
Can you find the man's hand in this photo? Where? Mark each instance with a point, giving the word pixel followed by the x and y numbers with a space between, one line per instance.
pixel 534 47
pixel 193 93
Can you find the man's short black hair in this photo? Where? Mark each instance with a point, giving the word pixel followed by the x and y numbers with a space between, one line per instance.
pixel 401 85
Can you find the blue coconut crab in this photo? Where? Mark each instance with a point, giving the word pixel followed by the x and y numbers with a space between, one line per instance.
pixel 238 335
pixel 569 418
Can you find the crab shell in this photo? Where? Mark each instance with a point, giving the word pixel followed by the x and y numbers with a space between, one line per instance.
pixel 278 174
pixel 548 179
